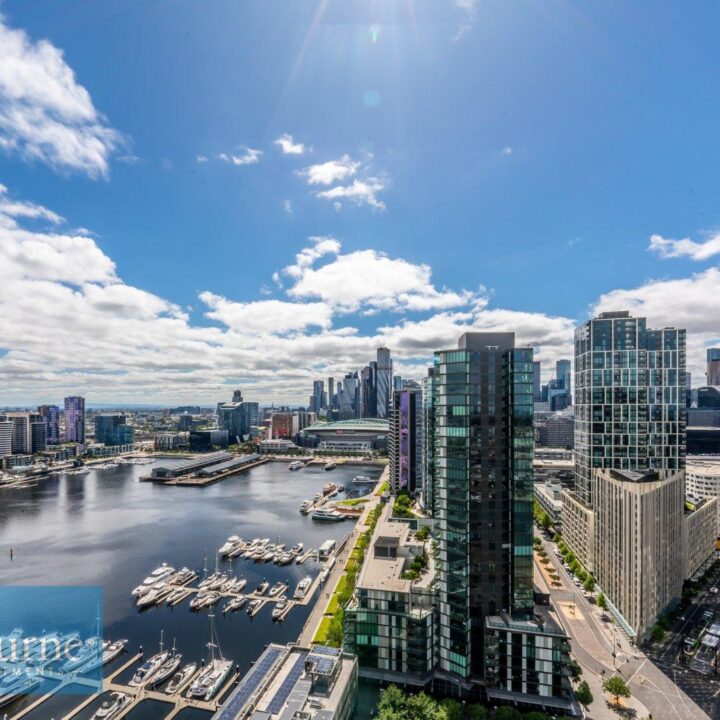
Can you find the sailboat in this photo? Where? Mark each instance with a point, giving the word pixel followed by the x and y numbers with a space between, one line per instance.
pixel 212 676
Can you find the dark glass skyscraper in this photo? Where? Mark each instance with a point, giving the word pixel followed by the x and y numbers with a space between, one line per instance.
pixel 483 414
pixel 405 444
pixel 51 413
pixel 75 419
pixel 383 383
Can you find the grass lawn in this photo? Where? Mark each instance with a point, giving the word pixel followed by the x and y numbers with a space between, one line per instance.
pixel 342 584
pixel 332 606
pixel 352 502
pixel 383 488
pixel 321 634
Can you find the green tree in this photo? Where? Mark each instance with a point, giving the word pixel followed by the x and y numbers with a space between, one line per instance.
pixel 476 712
pixel 536 715
pixel 557 538
pixel 617 687
pixel 452 708
pixel 658 633
pixel 583 694
pixel 589 584
pixel 575 670
pixel 545 521
pixel 507 713
pixel 423 707
pixel 602 601
pixel 392 700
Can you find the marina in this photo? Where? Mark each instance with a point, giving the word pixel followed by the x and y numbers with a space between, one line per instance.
pixel 109 514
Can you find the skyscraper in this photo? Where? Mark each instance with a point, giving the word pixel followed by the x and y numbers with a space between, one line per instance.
pixel 484 448
pixel 29 432
pixel 237 417
pixel 51 414
pixel 405 440
pixel 6 428
pixel 318 396
pixel 368 393
pixel 713 366
pixel 331 393
pixel 537 381
pixel 563 373
pixel 428 495
pixel 629 398
pixel 112 429
pixel 383 382
pixel 75 419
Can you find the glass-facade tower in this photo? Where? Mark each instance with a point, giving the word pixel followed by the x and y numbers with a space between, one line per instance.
pixel 483 448
pixel 630 411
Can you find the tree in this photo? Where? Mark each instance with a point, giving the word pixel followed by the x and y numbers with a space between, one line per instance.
pixel 452 708
pixel 507 713
pixel 476 712
pixel 535 715
pixel 589 584
pixel 617 687
pixel 392 700
pixel 602 601
pixel 423 707
pixel 658 633
pixel 583 694
pixel 575 670
pixel 545 521
pixel 557 538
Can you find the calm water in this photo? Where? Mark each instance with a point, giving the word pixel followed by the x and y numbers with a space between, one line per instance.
pixel 108 529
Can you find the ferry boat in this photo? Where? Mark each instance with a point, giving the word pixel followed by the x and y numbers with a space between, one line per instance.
pixel 302 587
pixel 234 604
pixel 277 588
pixel 112 706
pixel 327 515
pixel 230 545
pixel 329 466
pixel 211 678
pixel 296 465
pixel 306 506
pixel 181 678
pixel 279 609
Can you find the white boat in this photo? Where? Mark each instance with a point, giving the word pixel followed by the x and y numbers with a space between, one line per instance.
pixel 254 606
pixel 160 573
pixel 279 550
pixel 269 554
pixel 231 543
pixel 306 506
pixel 212 677
pixel 177 595
pixel 277 588
pixel 302 587
pixel 297 549
pixel 211 599
pixel 197 602
pixel 329 466
pixel 156 595
pixel 112 706
pixel 279 609
pixel 327 515
pixel 92 648
pixel 361 480
pixel 19 686
pixel 209 580
pixel 109 654
pixel 285 559
pixel 167 669
pixel 234 604
pixel 296 465
pixel 240 585
pixel 262 588
pixel 181 678
pixel 219 581
pixel 145 672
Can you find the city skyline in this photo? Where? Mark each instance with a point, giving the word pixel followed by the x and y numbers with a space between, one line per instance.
pixel 316 239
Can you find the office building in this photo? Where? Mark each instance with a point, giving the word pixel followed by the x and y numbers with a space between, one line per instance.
pixel 51 414
pixel 555 429
pixel 708 397
pixel 112 429
pixel 282 425
pixel 713 366
pixel 171 440
pixel 700 531
pixel 207 440
pixel 405 441
pixel 238 417
pixel 368 393
pixel 428 493
pixel 6 432
pixel 391 619
pixel 317 399
pixel 563 374
pixel 28 434
pixel 383 383
pixel 537 381
pixel 75 419
pixel 331 393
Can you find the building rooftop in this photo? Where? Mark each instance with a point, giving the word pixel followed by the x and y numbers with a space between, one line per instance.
pixel 705 466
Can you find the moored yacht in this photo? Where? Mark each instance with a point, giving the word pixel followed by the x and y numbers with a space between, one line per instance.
pixel 144 674
pixel 306 506
pixel 279 609
pixel 166 669
pixel 262 588
pixel 112 706
pixel 330 466
pixel 109 654
pixel 211 678
pixel 181 678
pixel 302 587
pixel 327 515
pixel 277 588
pixel 230 545
pixel 234 604
pixel 296 465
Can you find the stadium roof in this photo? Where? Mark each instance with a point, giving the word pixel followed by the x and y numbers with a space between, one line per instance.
pixel 366 424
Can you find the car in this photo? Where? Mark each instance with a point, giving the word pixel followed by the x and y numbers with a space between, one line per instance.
pixel 605 617
pixel 714 590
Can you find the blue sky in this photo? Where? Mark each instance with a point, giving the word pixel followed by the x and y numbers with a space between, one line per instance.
pixel 466 164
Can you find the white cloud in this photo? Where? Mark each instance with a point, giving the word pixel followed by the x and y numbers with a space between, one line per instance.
pixel 246 156
pixel 16 209
pixel 507 150
pixel 360 192
pixel 267 317
pixel 367 281
pixel 289 146
pixel 667 248
pixel 45 115
pixel 288 206
pixel 202 159
pixel 330 172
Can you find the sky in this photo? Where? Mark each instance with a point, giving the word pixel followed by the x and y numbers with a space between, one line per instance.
pixel 201 196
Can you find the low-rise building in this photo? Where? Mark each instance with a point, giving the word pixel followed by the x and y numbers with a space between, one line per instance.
pixel 391 619
pixel 549 496
pixel 295 683
pixel 171 440
pixel 276 446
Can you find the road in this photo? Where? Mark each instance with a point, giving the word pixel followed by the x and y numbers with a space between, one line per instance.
pixel 662 689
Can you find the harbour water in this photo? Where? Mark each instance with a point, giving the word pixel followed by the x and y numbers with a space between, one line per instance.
pixel 108 529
